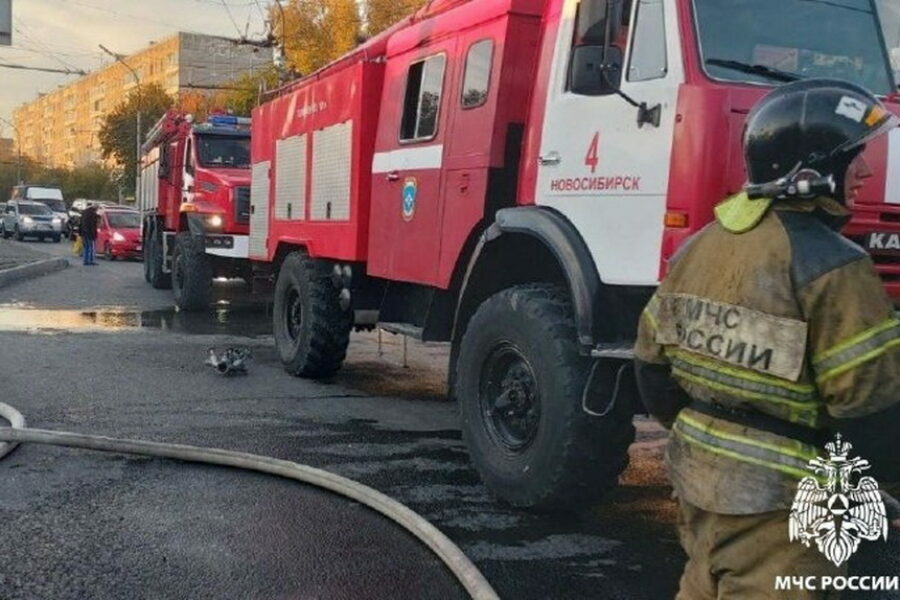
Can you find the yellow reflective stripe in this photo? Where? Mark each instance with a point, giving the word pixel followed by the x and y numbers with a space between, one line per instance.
pixel 743 374
pixel 650 311
pixel 857 361
pixel 804 456
pixel 799 473
pixel 857 339
pixel 740 391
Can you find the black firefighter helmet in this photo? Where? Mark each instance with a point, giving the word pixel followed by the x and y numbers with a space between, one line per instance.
pixel 799 140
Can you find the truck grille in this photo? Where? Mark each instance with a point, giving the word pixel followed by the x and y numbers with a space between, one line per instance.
pixel 242 205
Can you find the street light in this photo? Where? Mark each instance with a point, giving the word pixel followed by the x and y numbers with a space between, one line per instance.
pixel 18 149
pixel 137 155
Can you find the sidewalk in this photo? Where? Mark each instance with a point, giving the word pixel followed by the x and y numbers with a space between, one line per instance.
pixel 18 261
pixel 13 254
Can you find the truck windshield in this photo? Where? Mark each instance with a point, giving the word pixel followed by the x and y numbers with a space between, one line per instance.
pixel 223 151
pixel 124 220
pixel 773 41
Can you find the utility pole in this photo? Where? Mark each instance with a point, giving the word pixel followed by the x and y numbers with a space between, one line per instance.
pixel 18 150
pixel 137 154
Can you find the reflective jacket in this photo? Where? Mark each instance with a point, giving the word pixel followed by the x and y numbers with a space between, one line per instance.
pixel 785 318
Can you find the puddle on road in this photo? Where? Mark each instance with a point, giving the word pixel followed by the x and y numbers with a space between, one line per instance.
pixel 223 320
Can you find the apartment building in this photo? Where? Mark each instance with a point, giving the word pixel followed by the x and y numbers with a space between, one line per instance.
pixel 61 127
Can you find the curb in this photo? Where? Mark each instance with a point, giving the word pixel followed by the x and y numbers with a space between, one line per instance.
pixel 32 270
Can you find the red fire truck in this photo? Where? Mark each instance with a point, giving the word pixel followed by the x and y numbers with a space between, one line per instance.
pixel 512 176
pixel 195 199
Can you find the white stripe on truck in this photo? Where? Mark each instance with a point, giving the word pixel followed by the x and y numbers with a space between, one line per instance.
pixel 407 159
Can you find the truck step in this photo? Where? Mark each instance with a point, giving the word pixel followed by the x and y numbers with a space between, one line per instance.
pixel 618 350
pixel 403 329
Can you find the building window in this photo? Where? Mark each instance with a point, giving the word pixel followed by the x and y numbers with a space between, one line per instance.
pixel 421 104
pixel 478 74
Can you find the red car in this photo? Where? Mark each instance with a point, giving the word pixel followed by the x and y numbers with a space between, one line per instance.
pixel 119 234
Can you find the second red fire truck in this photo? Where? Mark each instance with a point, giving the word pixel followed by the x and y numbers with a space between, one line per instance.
pixel 195 200
pixel 512 176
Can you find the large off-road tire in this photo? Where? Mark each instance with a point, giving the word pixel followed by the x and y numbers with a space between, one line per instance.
pixel 311 329
pixel 192 273
pixel 3 231
pixel 519 382
pixel 154 257
pixel 19 235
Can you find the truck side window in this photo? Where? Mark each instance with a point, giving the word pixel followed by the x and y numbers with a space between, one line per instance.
pixel 189 158
pixel 477 79
pixel 648 44
pixel 590 26
pixel 422 101
pixel 598 46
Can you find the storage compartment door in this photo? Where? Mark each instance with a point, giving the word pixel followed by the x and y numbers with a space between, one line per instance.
pixel 259 210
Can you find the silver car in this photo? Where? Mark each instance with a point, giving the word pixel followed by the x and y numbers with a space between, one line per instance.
pixel 25 218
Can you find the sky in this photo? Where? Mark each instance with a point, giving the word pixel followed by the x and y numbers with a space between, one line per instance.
pixel 65 34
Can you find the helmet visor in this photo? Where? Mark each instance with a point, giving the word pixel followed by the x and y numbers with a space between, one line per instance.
pixel 882 121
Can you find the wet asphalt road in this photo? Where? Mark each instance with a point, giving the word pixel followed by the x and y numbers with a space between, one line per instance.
pixel 119 362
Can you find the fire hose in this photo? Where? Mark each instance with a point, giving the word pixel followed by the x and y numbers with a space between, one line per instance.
pixel 450 554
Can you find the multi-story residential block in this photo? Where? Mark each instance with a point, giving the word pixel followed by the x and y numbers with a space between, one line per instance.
pixel 61 127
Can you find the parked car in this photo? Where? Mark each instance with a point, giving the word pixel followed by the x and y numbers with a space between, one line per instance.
pixel 119 233
pixel 73 222
pixel 50 195
pixel 26 218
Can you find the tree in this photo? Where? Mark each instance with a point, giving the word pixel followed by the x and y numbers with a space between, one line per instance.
pixel 245 96
pixel 316 32
pixel 381 14
pixel 94 181
pixel 117 130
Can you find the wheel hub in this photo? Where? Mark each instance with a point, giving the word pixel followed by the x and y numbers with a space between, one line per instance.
pixel 294 314
pixel 510 398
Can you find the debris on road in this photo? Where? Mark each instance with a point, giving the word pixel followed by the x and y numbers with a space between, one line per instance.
pixel 233 361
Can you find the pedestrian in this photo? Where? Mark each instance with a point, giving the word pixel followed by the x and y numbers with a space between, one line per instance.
pixel 770 334
pixel 88 232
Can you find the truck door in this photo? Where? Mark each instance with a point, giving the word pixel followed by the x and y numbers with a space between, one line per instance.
pixel 407 175
pixel 598 166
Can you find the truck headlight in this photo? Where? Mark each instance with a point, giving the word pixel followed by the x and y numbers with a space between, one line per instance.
pixel 27 220
pixel 57 221
pixel 118 237
pixel 214 221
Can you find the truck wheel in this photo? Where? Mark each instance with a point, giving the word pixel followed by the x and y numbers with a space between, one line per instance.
pixel 3 231
pixel 311 330
pixel 192 273
pixel 154 258
pixel 19 235
pixel 519 381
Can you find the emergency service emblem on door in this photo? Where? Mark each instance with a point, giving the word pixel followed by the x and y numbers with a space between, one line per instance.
pixel 410 188
pixel 837 514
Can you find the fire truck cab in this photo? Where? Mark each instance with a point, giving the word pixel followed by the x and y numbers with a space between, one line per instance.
pixel 195 199
pixel 512 177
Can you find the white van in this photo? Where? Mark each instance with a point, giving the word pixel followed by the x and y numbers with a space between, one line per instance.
pixel 45 194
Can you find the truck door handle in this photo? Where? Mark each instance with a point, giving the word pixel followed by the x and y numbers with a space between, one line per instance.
pixel 393 176
pixel 549 159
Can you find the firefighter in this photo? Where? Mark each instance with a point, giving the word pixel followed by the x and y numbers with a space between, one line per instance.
pixel 770 334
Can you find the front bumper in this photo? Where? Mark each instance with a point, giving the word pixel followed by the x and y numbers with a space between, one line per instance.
pixel 227 245
pixel 126 249
pixel 38 228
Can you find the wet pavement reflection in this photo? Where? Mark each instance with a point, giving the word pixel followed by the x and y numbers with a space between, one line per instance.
pixel 224 319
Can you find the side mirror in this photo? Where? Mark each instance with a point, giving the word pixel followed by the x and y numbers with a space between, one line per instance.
pixel 592 74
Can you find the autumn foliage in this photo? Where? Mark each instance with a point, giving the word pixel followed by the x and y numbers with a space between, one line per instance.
pixel 316 32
